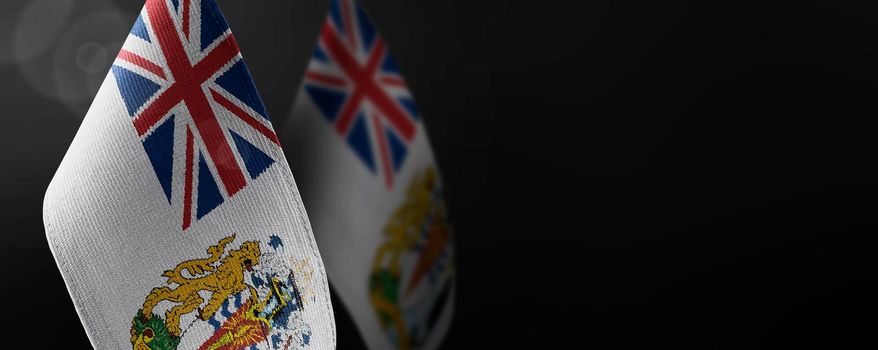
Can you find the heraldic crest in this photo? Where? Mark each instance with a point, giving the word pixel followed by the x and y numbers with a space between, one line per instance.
pixel 247 297
pixel 413 271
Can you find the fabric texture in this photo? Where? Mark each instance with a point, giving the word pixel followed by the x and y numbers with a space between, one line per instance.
pixel 174 217
pixel 360 151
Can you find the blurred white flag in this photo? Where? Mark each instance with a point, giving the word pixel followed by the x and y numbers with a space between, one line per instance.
pixel 369 179
pixel 174 218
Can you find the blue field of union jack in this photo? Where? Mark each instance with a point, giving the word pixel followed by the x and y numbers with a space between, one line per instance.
pixel 193 104
pixel 355 84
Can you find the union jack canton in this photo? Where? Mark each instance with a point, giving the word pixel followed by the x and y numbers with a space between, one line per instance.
pixel 356 85
pixel 194 105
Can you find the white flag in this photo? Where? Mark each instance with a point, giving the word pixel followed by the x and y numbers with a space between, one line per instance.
pixel 174 217
pixel 359 148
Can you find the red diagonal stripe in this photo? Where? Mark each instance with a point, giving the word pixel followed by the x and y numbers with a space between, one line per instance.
pixel 326 79
pixel 222 55
pixel 141 62
pixel 243 115
pixel 393 81
pixel 384 151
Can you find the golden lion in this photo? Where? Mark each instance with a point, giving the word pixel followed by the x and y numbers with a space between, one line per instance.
pixel 222 281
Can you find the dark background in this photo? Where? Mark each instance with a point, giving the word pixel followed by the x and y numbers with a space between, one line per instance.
pixel 621 174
